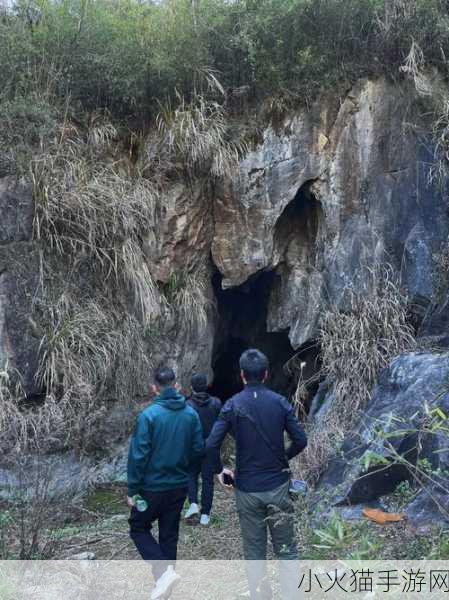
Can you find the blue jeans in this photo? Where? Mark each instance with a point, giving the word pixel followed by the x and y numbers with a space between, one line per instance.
pixel 207 489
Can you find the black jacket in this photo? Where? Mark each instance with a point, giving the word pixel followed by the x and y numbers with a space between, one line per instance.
pixel 208 408
pixel 258 417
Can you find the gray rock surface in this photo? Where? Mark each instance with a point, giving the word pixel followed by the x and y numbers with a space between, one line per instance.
pixel 366 201
pixel 401 420
pixel 57 476
pixel 19 276
pixel 326 194
pixel 16 210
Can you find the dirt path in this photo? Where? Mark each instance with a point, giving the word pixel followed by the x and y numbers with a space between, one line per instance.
pixel 100 526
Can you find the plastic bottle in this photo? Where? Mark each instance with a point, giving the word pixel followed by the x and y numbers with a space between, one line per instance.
pixel 140 503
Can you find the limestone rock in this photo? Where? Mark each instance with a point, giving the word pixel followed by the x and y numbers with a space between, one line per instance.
pixel 411 394
pixel 184 231
pixel 319 214
pixel 19 276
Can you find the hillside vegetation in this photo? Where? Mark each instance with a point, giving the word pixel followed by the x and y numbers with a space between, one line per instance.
pixel 103 103
pixel 129 56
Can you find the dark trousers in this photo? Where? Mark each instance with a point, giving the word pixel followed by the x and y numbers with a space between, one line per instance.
pixel 165 507
pixel 207 488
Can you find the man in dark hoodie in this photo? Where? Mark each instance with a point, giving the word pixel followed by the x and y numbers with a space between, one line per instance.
pixel 165 447
pixel 208 408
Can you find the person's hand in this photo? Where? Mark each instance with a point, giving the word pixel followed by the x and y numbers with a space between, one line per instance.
pixel 228 488
pixel 130 502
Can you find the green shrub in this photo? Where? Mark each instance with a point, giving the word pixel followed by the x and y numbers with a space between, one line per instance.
pixel 128 56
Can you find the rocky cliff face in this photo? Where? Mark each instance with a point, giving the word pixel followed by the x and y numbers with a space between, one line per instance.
pixel 324 198
pixel 324 195
pixel 19 281
pixel 329 193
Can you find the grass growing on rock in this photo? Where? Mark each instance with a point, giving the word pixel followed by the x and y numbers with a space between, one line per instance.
pixel 358 341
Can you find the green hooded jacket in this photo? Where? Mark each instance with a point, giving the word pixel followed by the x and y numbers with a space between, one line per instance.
pixel 166 445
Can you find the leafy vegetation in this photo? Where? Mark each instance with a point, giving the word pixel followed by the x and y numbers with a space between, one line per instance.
pixel 127 56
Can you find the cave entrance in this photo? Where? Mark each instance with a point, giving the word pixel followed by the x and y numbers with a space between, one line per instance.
pixel 243 310
pixel 297 228
pixel 242 313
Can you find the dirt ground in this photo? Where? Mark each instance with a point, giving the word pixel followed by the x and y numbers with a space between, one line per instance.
pixel 99 525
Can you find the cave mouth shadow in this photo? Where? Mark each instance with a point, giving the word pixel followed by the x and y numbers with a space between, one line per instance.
pixel 242 324
pixel 300 220
pixel 243 311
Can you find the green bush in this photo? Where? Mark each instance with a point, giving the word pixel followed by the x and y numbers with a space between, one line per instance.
pixel 128 56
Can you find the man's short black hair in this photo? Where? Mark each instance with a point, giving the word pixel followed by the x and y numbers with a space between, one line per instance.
pixel 254 365
pixel 164 376
pixel 199 382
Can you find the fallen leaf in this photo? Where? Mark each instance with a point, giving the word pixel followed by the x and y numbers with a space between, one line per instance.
pixel 381 517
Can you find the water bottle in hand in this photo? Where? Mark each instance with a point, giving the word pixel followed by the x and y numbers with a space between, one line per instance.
pixel 140 503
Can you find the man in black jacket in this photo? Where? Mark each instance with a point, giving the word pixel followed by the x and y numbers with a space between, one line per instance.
pixel 257 418
pixel 208 409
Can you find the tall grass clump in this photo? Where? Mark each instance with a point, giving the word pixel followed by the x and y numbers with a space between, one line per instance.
pixel 25 428
pixel 357 343
pixel 13 426
pixel 90 354
pixel 85 209
pixel 99 304
pixel 187 297
pixel 195 135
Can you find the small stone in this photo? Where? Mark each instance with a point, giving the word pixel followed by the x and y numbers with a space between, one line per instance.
pixel 83 556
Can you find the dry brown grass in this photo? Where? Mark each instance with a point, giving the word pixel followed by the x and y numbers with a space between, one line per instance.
pixel 90 353
pixel 187 296
pixel 440 170
pixel 356 345
pixel 98 296
pixel 195 135
pixel 13 427
pixel 26 429
pixel 85 209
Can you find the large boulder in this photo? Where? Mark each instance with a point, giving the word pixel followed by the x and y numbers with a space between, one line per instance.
pixel 403 435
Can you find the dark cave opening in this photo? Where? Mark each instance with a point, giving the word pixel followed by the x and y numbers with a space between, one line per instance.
pixel 242 313
pixel 300 220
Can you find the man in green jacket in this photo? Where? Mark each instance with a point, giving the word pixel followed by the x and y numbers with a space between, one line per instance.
pixel 166 446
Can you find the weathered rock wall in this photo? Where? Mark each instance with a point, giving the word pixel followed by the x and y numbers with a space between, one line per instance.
pixel 19 279
pixel 367 169
pixel 404 423
pixel 326 193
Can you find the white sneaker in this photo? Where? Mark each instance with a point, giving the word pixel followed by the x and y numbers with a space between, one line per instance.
pixel 192 511
pixel 205 520
pixel 165 584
